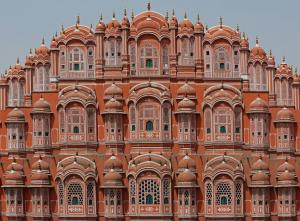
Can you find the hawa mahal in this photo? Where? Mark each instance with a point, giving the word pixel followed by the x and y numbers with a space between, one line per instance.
pixel 149 118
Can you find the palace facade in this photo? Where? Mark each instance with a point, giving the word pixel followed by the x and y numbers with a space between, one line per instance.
pixel 150 118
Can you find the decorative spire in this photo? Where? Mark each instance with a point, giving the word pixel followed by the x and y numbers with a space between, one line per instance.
pixel 43 41
pixel 18 60
pixel 283 59
pixel 256 41
pixel 167 16
pixel 296 70
pixel 101 18
pixel 173 12
pixel 237 28
pixel 62 29
pixel 132 15
pixel 270 54
pixel 198 18
pixel 185 15
pixel 30 51
pixel 55 34
pixel 78 20
pixel 125 12
pixel 148 6
pixel 114 15
pixel 244 35
pixel 221 22
pixel 206 27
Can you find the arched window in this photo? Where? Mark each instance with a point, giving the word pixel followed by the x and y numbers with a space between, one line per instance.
pixel 222 63
pixel 76 60
pixel 90 62
pixel 149 192
pixel 149 117
pixel 258 78
pixel 207 61
pixel 77 124
pixel 223 122
pixel 75 194
pixel 186 56
pixel 132 57
pixel 149 58
pixel 113 51
pixel 165 59
pixel 41 78
pixel 223 194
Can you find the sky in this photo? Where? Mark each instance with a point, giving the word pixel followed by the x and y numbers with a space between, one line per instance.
pixel 24 23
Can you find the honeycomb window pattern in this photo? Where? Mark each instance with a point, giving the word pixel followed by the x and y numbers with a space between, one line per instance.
pixel 149 192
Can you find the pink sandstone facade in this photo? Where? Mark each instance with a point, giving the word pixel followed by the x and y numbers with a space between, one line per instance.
pixel 149 118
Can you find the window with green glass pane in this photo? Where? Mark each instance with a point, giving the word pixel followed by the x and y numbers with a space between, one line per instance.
pixel 76 67
pixel 149 126
pixel 149 199
pixel 149 63
pixel 76 130
pixel 222 66
pixel 222 129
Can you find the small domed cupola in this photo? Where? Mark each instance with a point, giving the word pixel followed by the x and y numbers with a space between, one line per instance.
pixel 187 162
pixel 15 116
pixel 186 106
pixel 41 106
pixel 100 27
pixel 112 179
pixel 285 116
pixel 113 163
pixel 186 90
pixel 286 175
pixel 185 24
pixel 125 21
pixel 257 52
pixel 198 27
pixel 186 178
pixel 113 91
pixel 258 106
pixel 260 174
pixel 173 23
pixel 244 42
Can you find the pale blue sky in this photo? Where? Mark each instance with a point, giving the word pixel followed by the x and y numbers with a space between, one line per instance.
pixel 24 22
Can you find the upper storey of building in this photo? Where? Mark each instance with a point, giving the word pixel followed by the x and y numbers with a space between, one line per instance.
pixel 150 45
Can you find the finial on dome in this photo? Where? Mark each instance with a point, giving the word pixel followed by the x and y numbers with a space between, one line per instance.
pixel 173 12
pixel 167 16
pixel 78 20
pixel 18 60
pixel 43 41
pixel 237 28
pixel 256 41
pixel 62 29
pixel 91 26
pixel 198 18
pixel 221 22
pixel 101 18
pixel 56 34
pixel 283 59
pixel 114 15
pixel 132 15
pixel 185 15
pixel 244 35
pixel 125 12
pixel 30 51
pixel 206 27
pixel 148 6
pixel 270 54
pixel 296 70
